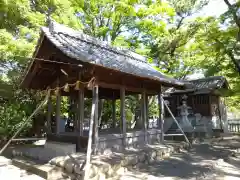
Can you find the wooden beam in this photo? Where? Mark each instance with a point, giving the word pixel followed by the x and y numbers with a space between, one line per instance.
pixel 210 104
pixel 162 119
pixel 49 115
pixel 81 110
pixel 113 113
pixel 127 88
pixel 147 111
pixel 141 122
pixel 75 113
pixel 60 78
pixel 95 89
pixel 58 112
pixel 123 116
pixel 144 114
pixel 35 66
pixel 161 115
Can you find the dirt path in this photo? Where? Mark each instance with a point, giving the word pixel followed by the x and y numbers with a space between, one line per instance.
pixel 205 161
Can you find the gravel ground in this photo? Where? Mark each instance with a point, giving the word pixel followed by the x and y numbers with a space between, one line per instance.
pixel 209 160
pixel 205 161
pixel 10 172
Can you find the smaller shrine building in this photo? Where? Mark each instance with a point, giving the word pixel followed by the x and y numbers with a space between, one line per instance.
pixel 204 101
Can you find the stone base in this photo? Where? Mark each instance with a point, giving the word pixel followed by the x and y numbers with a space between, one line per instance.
pixel 65 148
pixel 199 134
pixel 108 166
pixel 104 166
pixel 135 139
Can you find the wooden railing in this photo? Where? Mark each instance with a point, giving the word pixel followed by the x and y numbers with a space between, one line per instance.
pixel 234 126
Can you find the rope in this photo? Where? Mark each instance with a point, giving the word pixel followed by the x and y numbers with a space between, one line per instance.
pixel 92 80
pixel 44 102
pixel 48 60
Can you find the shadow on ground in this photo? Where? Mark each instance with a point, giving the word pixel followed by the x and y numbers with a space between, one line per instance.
pixel 198 163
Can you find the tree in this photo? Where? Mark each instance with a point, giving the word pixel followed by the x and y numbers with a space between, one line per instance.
pixel 20 23
pixel 170 49
pixel 176 42
pixel 234 53
pixel 214 52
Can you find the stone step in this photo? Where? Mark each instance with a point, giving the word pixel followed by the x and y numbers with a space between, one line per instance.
pixel 46 171
pixel 37 153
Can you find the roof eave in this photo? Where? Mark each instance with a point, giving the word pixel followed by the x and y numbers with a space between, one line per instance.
pixel 39 43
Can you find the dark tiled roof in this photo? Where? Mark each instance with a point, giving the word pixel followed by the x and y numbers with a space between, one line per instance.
pixel 215 82
pixel 85 48
pixel 202 86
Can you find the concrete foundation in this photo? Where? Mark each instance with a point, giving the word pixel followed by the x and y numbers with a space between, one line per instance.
pixel 134 139
pixel 64 148
pixel 70 142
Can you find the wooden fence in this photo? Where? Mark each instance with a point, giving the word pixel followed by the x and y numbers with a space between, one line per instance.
pixel 234 126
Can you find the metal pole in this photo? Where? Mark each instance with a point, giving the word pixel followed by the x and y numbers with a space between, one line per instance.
pixel 96 89
pixel 175 120
pixel 89 147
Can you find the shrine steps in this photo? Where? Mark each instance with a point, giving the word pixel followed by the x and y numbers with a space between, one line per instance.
pixel 46 171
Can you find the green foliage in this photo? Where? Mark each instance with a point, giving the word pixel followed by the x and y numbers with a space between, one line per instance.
pixel 177 42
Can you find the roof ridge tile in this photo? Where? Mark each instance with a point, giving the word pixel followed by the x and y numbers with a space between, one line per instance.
pixel 55 27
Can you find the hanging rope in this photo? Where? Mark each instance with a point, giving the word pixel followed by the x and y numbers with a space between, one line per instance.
pixel 44 102
pixel 77 85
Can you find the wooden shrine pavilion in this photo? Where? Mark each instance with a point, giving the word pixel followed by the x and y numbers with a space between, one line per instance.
pixel 205 99
pixel 97 70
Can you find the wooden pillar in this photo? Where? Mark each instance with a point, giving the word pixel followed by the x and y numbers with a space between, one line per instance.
pixel 210 105
pixel 95 89
pixel 159 110
pixel 147 111
pixel 114 113
pixel 144 114
pixel 72 111
pixel 161 115
pixel 162 119
pixel 80 110
pixel 58 112
pixel 75 113
pixel 123 116
pixel 49 115
pixel 141 123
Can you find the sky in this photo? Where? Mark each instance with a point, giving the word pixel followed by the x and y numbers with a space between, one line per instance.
pixel 214 8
